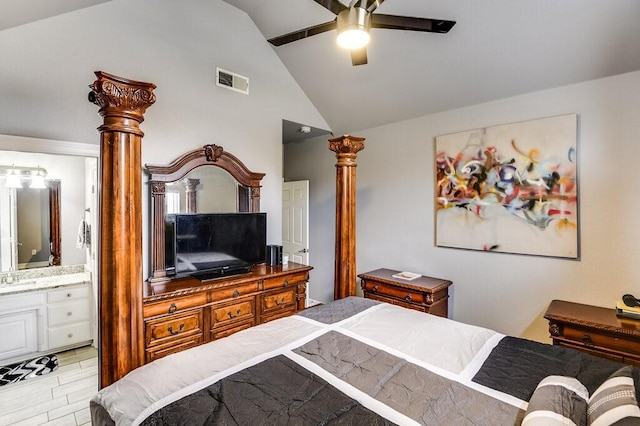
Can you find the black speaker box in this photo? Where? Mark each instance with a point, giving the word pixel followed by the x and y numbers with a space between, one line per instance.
pixel 273 255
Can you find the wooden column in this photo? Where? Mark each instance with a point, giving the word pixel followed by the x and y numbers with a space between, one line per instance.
pixel 345 148
pixel 122 104
pixel 191 194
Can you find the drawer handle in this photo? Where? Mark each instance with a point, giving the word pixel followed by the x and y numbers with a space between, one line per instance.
pixel 286 283
pixel 236 293
pixel 173 308
pixel 408 298
pixel 173 333
pixel 69 295
pixel 587 340
pixel 69 314
pixel 70 335
pixel 374 289
pixel 238 312
pixel 278 302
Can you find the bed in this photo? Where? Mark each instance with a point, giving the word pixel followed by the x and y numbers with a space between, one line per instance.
pixel 357 361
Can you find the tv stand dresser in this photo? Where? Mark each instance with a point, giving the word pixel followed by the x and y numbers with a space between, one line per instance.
pixel 187 312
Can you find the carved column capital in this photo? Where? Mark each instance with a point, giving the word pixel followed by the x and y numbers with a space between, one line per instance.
pixel 122 102
pixel 158 188
pixel 346 145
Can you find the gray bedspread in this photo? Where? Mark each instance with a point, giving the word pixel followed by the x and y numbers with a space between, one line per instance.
pixel 350 362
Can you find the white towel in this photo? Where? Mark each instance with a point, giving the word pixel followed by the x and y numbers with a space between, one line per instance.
pixel 84 235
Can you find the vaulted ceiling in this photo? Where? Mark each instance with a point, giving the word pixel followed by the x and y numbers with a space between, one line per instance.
pixel 497 49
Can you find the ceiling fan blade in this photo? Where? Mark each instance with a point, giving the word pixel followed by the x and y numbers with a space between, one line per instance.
pixel 359 56
pixel 333 5
pixel 409 23
pixel 373 5
pixel 304 33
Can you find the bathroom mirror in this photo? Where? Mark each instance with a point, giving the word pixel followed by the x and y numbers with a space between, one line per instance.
pixel 29 227
pixel 39 227
pixel 205 180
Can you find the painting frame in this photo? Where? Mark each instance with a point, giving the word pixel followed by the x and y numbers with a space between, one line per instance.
pixel 510 188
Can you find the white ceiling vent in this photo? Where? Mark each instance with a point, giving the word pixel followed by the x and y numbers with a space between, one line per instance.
pixel 232 81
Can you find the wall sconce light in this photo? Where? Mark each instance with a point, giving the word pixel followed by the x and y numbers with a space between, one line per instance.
pixel 37 181
pixel 15 176
pixel 13 181
pixel 353 28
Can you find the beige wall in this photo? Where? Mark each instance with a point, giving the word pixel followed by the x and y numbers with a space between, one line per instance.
pixel 509 293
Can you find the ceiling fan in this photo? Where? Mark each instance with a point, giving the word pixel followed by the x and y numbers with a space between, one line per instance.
pixel 353 23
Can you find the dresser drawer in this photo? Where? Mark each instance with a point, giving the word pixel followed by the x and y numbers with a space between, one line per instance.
pixel 69 334
pixel 174 305
pixel 285 281
pixel 68 293
pixel 220 332
pixel 174 346
pixel 64 313
pixel 382 289
pixel 242 310
pixel 234 292
pixel 279 300
pixel 173 327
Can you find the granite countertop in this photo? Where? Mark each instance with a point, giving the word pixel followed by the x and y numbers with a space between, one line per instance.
pixel 44 283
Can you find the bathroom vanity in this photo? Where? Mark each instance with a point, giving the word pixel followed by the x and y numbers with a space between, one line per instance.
pixel 44 314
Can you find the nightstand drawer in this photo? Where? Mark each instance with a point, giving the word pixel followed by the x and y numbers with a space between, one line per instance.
pixel 393 291
pixel 173 327
pixel 589 338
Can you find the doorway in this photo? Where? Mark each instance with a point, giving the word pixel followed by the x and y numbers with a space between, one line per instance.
pixel 295 224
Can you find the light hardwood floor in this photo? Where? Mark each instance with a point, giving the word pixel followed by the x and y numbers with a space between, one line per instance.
pixel 58 398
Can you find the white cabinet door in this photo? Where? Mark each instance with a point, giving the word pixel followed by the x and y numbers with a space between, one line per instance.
pixel 19 333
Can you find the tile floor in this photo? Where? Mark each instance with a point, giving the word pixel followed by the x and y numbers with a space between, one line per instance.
pixel 58 398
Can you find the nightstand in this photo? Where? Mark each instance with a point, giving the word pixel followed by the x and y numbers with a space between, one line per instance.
pixel 594 330
pixel 425 294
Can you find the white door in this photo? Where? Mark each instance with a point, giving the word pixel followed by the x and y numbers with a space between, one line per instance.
pixel 295 221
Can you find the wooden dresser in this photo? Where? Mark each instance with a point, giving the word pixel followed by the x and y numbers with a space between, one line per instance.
pixel 188 312
pixel 594 330
pixel 424 294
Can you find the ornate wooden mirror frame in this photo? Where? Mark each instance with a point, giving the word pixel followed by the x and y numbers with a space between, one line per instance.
pixel 55 238
pixel 160 175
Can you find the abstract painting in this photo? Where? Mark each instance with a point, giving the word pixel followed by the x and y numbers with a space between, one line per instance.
pixel 511 188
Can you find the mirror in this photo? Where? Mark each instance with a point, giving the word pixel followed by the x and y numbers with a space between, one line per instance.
pixel 203 190
pixel 39 227
pixel 205 180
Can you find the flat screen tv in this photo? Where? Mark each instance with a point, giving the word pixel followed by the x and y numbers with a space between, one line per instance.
pixel 214 244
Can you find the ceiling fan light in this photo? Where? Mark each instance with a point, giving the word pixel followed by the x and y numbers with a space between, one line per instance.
pixel 353 39
pixel 353 28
